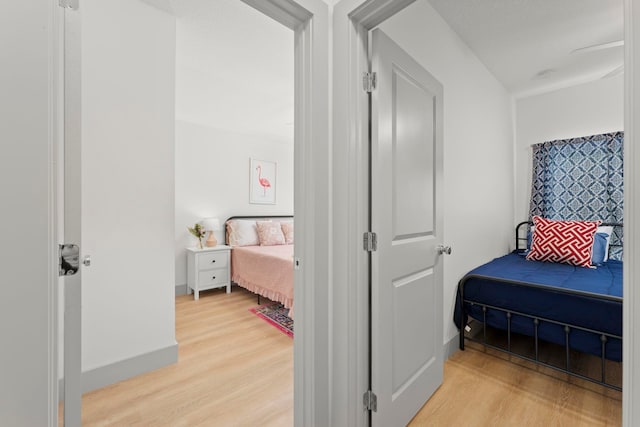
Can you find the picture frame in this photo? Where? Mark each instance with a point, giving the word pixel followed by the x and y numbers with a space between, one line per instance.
pixel 262 182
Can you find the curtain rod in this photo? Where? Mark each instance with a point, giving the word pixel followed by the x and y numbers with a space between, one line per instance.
pixel 571 140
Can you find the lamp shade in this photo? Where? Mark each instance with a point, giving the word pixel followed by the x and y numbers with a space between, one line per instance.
pixel 211 224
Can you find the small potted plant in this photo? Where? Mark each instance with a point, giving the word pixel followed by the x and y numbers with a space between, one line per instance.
pixel 198 232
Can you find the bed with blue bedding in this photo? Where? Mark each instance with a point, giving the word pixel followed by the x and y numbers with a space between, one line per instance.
pixel 575 307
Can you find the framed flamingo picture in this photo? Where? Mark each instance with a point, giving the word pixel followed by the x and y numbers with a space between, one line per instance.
pixel 262 178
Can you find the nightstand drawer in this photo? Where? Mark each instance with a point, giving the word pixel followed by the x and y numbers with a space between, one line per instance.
pixel 212 260
pixel 212 277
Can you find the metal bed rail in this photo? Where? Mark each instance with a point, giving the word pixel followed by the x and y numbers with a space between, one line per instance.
pixel 604 338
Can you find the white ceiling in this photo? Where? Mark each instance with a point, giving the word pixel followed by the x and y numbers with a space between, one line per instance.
pixel 235 65
pixel 234 68
pixel 527 44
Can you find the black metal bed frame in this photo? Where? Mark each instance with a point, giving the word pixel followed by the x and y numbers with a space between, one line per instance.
pixel 604 336
pixel 226 235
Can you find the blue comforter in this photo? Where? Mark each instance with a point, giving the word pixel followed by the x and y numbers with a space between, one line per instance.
pixel 587 297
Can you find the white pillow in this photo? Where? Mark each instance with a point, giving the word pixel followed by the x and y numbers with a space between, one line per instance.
pixel 608 230
pixel 242 232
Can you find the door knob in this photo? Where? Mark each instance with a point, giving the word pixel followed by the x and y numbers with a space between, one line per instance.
pixel 446 250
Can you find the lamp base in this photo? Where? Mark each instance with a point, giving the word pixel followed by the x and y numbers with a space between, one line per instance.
pixel 211 241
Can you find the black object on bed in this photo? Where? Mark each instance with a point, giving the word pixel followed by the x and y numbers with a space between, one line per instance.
pixel 576 307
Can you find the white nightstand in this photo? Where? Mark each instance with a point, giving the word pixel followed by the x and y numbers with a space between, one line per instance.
pixel 208 268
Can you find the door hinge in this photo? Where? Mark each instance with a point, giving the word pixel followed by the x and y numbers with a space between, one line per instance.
pixel 370 401
pixel 369 81
pixel 69 4
pixel 370 241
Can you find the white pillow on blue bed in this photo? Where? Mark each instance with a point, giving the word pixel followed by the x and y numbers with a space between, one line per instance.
pixel 608 230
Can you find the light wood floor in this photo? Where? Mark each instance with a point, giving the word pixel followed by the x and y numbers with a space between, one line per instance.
pixel 234 369
pixel 484 389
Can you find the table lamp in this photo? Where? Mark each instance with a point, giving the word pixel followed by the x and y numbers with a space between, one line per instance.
pixel 211 225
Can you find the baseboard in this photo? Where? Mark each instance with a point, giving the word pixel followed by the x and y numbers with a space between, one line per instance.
pixel 451 346
pixel 124 369
pixel 181 289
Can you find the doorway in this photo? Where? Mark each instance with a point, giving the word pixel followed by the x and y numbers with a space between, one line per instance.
pixel 234 110
pixel 311 175
pixel 351 21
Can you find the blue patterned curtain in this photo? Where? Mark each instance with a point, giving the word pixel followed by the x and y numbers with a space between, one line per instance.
pixel 579 178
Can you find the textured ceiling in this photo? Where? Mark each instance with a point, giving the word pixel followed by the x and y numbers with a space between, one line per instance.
pixel 527 44
pixel 234 68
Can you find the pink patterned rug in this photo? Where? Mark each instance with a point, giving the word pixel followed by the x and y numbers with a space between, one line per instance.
pixel 275 314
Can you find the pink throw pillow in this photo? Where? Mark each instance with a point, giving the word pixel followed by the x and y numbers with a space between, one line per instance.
pixel 270 233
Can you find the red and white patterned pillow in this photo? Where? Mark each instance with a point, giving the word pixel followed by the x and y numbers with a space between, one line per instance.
pixel 569 242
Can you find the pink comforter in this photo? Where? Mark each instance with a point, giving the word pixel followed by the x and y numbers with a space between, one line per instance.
pixel 266 271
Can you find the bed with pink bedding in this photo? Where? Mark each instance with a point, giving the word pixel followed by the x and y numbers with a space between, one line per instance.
pixel 266 271
pixel 262 266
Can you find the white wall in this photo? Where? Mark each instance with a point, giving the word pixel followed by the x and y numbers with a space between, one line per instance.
pixel 234 68
pixel 478 149
pixel 128 54
pixel 587 109
pixel 212 179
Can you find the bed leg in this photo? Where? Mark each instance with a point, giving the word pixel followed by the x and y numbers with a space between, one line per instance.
pixel 567 329
pixel 463 316
pixel 603 340
pixel 484 324
pixel 509 331
pixel 258 299
pixel 536 322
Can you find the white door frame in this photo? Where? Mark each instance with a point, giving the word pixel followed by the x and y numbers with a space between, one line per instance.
pixel 30 133
pixel 352 19
pixel 631 301
pixel 71 208
pixel 309 19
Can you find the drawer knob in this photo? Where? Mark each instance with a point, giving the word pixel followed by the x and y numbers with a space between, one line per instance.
pixel 214 277
pixel 213 260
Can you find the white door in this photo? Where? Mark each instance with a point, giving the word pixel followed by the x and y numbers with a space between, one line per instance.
pixel 28 375
pixel 72 391
pixel 406 215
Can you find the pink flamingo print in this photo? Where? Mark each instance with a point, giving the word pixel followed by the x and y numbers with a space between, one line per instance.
pixel 263 181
